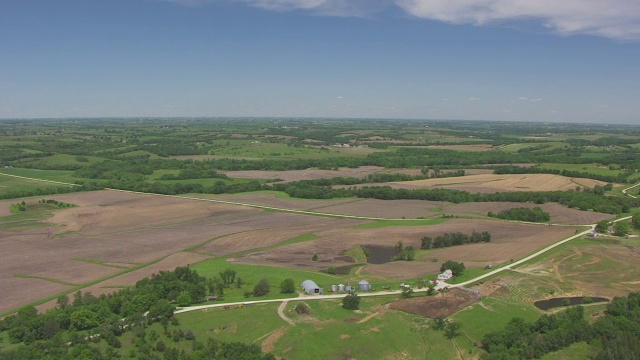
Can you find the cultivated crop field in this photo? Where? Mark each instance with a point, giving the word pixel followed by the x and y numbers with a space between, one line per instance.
pixel 509 241
pixel 490 183
pixel 310 174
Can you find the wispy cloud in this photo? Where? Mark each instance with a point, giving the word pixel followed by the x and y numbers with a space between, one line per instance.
pixel 323 7
pixel 617 19
pixel 473 98
pixel 526 99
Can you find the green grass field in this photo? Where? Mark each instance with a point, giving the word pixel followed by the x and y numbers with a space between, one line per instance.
pixel 589 168
pixel 11 184
pixel 251 274
pixel 53 175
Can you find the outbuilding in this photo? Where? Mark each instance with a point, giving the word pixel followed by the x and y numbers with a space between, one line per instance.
pixel 364 286
pixel 310 287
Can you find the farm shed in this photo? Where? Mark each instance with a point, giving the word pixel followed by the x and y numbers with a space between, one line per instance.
pixel 310 287
pixel 364 285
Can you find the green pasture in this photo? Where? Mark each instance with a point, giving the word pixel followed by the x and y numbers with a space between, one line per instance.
pixel 576 351
pixel 65 159
pixel 492 314
pixel 329 331
pixel 52 175
pixel 24 220
pixel 11 185
pixel 273 150
pixel 513 148
pixel 251 275
pixel 593 168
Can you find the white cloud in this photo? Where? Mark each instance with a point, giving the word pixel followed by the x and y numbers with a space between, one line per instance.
pixel 618 19
pixel 473 98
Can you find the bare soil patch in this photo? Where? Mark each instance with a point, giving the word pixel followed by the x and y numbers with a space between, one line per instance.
pixel 5 207
pixel 283 227
pixel 120 213
pixel 560 214
pixel 505 183
pixel 441 305
pixel 270 200
pixel 15 296
pixel 310 174
pixel 167 264
pixel 270 342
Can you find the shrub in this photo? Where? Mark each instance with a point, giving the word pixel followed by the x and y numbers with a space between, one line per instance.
pixel 261 288
pixel 351 302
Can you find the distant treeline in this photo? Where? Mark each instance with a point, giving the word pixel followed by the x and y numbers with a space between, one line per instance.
pixel 586 199
pixel 49 190
pixel 64 332
pixel 613 336
pixel 453 239
pixel 403 157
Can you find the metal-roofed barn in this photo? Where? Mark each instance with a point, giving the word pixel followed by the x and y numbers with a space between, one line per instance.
pixel 364 285
pixel 310 287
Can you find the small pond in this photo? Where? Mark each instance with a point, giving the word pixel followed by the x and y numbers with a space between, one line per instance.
pixel 381 254
pixel 560 301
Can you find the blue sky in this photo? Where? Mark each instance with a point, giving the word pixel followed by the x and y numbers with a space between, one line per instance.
pixel 511 60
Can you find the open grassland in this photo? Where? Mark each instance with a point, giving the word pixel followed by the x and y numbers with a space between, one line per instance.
pixel 588 168
pixel 489 183
pixel 10 184
pixel 471 147
pixel 584 267
pixel 52 175
pixel 251 275
pixel 550 145
pixel 329 331
pixel 64 159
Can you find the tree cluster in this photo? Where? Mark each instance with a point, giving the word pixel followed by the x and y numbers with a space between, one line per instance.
pixel 453 239
pixel 535 214
pixel 457 268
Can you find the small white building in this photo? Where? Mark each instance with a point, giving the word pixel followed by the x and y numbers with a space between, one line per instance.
pixel 446 275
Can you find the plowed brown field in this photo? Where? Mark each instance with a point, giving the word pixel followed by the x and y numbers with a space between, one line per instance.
pixel 508 182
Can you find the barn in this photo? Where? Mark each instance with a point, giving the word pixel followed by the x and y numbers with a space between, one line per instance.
pixel 310 287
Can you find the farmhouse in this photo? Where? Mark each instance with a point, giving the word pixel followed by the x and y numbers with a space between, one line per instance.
pixel 446 275
pixel 310 287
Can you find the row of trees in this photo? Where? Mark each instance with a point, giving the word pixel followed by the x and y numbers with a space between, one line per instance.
pixel 585 199
pixel 616 335
pixel 453 239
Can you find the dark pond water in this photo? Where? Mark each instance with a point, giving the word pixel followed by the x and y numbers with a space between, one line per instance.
pixel 381 254
pixel 560 301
